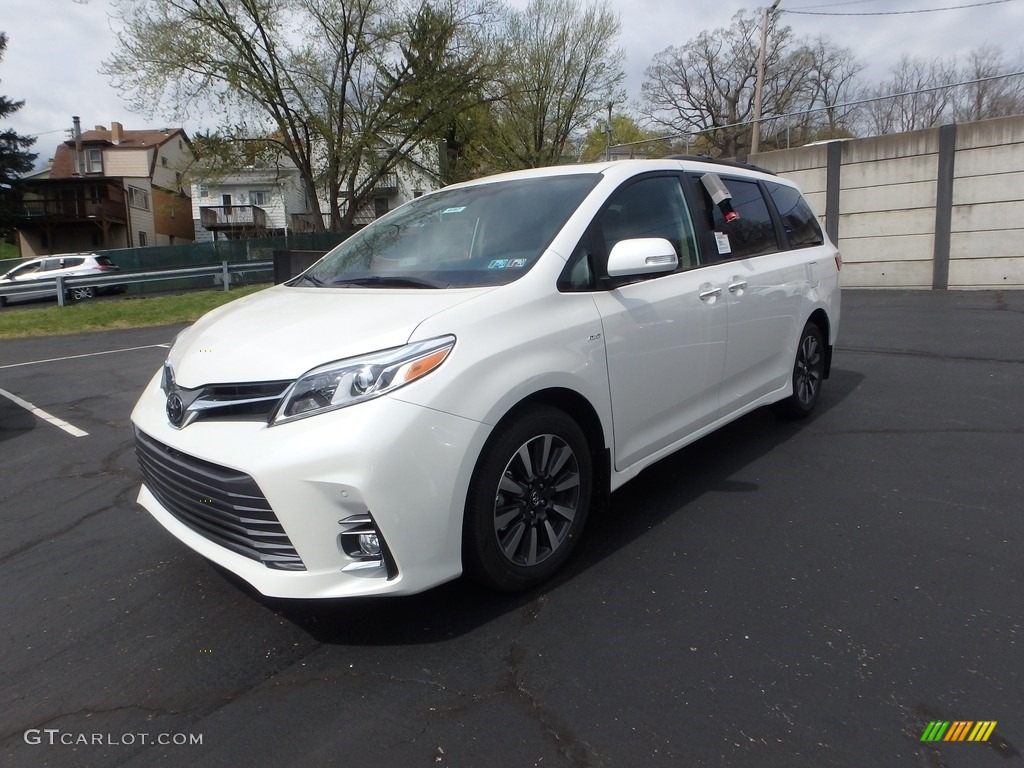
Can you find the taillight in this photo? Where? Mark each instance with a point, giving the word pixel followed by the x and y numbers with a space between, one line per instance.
pixel 839 261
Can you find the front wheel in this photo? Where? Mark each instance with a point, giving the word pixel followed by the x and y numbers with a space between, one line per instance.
pixel 808 373
pixel 528 500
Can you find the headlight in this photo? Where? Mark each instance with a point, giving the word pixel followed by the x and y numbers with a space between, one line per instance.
pixel 347 382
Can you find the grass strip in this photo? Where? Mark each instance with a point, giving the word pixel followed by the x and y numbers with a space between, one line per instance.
pixel 126 312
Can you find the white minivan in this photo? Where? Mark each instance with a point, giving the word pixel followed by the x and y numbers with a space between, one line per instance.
pixel 451 389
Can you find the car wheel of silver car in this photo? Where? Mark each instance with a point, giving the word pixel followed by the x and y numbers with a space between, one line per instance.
pixel 808 373
pixel 528 499
pixel 81 293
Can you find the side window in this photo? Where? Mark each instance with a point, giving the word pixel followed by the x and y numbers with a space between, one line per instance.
pixel 752 233
pixel 578 274
pixel 798 219
pixel 27 269
pixel 652 207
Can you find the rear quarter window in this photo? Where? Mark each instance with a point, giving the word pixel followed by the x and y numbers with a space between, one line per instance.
pixel 798 220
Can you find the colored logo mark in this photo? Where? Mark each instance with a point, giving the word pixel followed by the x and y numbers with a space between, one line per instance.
pixel 958 730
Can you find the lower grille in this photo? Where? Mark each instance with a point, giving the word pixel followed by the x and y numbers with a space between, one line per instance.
pixel 224 505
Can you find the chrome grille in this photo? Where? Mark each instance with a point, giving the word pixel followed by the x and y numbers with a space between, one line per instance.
pixel 224 505
pixel 248 401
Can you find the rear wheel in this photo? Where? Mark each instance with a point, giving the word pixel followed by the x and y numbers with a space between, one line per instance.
pixel 528 500
pixel 81 293
pixel 808 373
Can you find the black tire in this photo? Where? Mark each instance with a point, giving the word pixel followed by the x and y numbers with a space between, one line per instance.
pixel 81 293
pixel 528 500
pixel 808 374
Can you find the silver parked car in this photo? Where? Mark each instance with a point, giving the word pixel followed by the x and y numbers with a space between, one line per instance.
pixel 64 264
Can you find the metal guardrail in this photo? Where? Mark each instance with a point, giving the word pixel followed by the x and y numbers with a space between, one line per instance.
pixel 61 285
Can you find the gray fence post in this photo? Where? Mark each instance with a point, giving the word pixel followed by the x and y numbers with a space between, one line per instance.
pixel 226 275
pixel 944 207
pixel 60 290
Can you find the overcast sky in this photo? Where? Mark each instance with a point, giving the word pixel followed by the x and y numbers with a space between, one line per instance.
pixel 55 47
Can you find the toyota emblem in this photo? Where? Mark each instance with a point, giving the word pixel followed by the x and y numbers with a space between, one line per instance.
pixel 175 409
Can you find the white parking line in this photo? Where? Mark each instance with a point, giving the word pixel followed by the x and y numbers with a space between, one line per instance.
pixel 69 428
pixel 88 354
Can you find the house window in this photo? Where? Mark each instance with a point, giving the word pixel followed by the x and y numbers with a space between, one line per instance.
pixel 95 157
pixel 203 191
pixel 259 197
pixel 143 240
pixel 138 198
pixel 163 161
pixel 380 206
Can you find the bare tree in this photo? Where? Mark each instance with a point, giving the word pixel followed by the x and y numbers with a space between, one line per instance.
pixel 563 69
pixel 706 86
pixel 913 97
pixel 830 82
pixel 989 92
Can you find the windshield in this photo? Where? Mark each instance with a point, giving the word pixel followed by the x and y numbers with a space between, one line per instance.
pixel 488 234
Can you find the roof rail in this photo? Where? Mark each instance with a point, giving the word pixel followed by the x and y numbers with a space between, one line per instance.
pixel 720 161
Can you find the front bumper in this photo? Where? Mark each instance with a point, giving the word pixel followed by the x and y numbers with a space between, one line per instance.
pixel 406 465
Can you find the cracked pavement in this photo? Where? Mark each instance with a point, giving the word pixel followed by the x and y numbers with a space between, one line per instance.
pixel 773 595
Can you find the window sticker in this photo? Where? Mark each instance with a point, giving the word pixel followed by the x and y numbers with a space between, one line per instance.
pixel 722 241
pixel 459 209
pixel 508 264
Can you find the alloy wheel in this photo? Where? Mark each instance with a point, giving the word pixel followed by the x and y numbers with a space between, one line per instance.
pixel 537 500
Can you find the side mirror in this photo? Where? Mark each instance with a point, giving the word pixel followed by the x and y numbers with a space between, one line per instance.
pixel 642 256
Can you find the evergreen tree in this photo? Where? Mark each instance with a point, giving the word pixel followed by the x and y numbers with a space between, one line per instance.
pixel 15 159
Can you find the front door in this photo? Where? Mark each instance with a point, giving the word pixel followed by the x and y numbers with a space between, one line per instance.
pixel 665 336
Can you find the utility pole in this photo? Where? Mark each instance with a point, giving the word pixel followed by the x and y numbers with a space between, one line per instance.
pixel 608 146
pixel 755 140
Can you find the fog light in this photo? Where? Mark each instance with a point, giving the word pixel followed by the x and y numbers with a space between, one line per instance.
pixel 369 544
pixel 362 542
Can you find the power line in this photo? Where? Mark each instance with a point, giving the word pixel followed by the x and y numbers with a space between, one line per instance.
pixel 894 13
pixel 834 5
pixel 844 105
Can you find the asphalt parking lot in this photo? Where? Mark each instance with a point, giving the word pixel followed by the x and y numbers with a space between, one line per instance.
pixel 773 595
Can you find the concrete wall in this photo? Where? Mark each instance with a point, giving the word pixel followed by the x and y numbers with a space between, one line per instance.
pixel 938 208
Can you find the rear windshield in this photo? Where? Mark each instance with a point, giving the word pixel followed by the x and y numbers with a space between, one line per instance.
pixel 488 234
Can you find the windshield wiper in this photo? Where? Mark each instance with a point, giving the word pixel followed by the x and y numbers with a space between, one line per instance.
pixel 384 281
pixel 305 276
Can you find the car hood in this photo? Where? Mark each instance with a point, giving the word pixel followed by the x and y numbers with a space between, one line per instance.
pixel 281 333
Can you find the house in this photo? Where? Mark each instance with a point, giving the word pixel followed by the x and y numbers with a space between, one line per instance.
pixel 269 201
pixel 109 188
pixel 251 202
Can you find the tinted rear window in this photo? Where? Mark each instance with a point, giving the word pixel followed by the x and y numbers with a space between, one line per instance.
pixel 798 219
